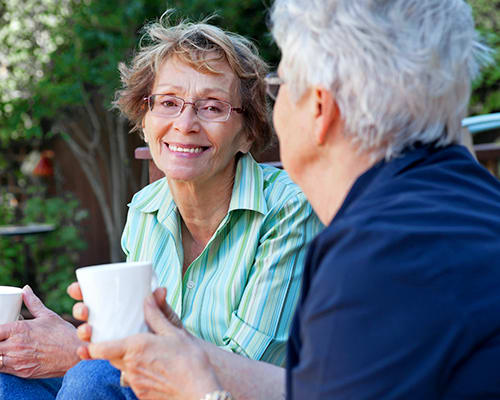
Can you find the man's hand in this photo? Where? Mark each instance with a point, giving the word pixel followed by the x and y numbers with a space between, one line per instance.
pixel 42 347
pixel 169 363
pixel 81 313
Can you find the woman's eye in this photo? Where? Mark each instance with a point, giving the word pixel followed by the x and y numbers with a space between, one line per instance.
pixel 168 103
pixel 213 109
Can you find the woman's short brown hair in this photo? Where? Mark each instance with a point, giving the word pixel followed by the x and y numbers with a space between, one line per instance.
pixel 197 44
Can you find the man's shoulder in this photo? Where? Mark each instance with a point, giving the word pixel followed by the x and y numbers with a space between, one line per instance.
pixel 417 224
pixel 440 190
pixel 445 209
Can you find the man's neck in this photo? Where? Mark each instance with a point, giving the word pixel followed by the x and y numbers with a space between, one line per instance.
pixel 327 181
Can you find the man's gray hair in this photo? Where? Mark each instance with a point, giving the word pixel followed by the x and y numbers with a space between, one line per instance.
pixel 400 70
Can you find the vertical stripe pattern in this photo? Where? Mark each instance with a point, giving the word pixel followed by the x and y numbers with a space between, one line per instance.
pixel 240 292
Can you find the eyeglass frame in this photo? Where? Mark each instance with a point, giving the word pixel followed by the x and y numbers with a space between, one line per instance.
pixel 147 99
pixel 273 83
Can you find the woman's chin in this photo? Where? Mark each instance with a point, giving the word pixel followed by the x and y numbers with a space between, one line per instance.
pixel 182 174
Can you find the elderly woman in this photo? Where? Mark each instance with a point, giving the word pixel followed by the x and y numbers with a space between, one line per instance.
pixel 226 235
pixel 400 297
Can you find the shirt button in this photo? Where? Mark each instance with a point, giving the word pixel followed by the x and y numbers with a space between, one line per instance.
pixel 190 285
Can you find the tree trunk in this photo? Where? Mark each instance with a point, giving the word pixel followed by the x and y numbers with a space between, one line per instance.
pixel 99 139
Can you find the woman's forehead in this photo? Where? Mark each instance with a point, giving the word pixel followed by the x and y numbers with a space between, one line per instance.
pixel 174 73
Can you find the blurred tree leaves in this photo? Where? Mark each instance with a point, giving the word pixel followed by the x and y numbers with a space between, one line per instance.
pixel 486 90
pixel 246 17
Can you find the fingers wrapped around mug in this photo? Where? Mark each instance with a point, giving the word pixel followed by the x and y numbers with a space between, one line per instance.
pixel 80 312
pixel 74 291
pixel 84 332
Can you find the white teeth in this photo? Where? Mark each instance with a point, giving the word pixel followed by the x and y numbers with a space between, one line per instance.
pixel 185 149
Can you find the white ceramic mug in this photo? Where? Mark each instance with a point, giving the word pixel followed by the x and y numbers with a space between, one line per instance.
pixel 11 300
pixel 114 295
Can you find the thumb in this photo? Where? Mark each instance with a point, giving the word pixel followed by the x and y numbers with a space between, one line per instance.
pixel 157 321
pixel 33 303
pixel 160 296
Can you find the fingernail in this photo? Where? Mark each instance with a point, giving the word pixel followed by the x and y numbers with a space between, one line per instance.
pixel 78 309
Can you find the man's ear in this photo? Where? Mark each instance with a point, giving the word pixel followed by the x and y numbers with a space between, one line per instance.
pixel 326 114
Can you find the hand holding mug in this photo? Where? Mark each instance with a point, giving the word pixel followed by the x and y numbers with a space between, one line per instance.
pixel 42 347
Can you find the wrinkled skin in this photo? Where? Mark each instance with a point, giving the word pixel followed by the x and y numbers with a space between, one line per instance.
pixel 43 347
pixel 168 363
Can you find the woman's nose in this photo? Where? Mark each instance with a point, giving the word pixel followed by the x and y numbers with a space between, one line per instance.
pixel 187 122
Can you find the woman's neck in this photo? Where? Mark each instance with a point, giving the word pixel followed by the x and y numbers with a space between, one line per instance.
pixel 203 205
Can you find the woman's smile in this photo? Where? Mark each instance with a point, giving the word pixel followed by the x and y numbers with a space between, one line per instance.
pixel 185 150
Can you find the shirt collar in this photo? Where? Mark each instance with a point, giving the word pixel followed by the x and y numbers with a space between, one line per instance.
pixel 385 170
pixel 156 197
pixel 248 188
pixel 248 192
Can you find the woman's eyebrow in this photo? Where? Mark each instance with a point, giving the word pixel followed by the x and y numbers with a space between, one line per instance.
pixel 213 91
pixel 205 92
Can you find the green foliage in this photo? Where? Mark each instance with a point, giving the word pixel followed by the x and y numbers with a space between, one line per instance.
pixel 247 17
pixel 24 200
pixel 486 91
pixel 54 255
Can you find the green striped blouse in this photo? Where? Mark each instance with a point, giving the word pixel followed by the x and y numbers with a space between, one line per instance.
pixel 241 291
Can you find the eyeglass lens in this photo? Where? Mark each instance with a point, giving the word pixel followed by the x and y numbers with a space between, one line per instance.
pixel 272 90
pixel 207 109
pixel 273 83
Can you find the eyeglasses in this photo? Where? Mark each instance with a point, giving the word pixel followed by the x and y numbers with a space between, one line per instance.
pixel 168 106
pixel 273 82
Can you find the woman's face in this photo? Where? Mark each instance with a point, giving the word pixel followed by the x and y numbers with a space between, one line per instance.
pixel 186 147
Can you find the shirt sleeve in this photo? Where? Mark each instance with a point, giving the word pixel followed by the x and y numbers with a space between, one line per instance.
pixel 378 321
pixel 259 327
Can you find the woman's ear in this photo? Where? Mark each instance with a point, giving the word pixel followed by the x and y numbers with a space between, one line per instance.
pixel 326 115
pixel 246 144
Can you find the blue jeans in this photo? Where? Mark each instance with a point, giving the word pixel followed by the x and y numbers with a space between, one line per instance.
pixel 87 380
pixel 12 387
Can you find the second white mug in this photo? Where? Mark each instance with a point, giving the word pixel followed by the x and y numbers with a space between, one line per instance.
pixel 11 300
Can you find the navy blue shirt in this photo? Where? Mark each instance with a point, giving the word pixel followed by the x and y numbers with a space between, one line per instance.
pixel 401 292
